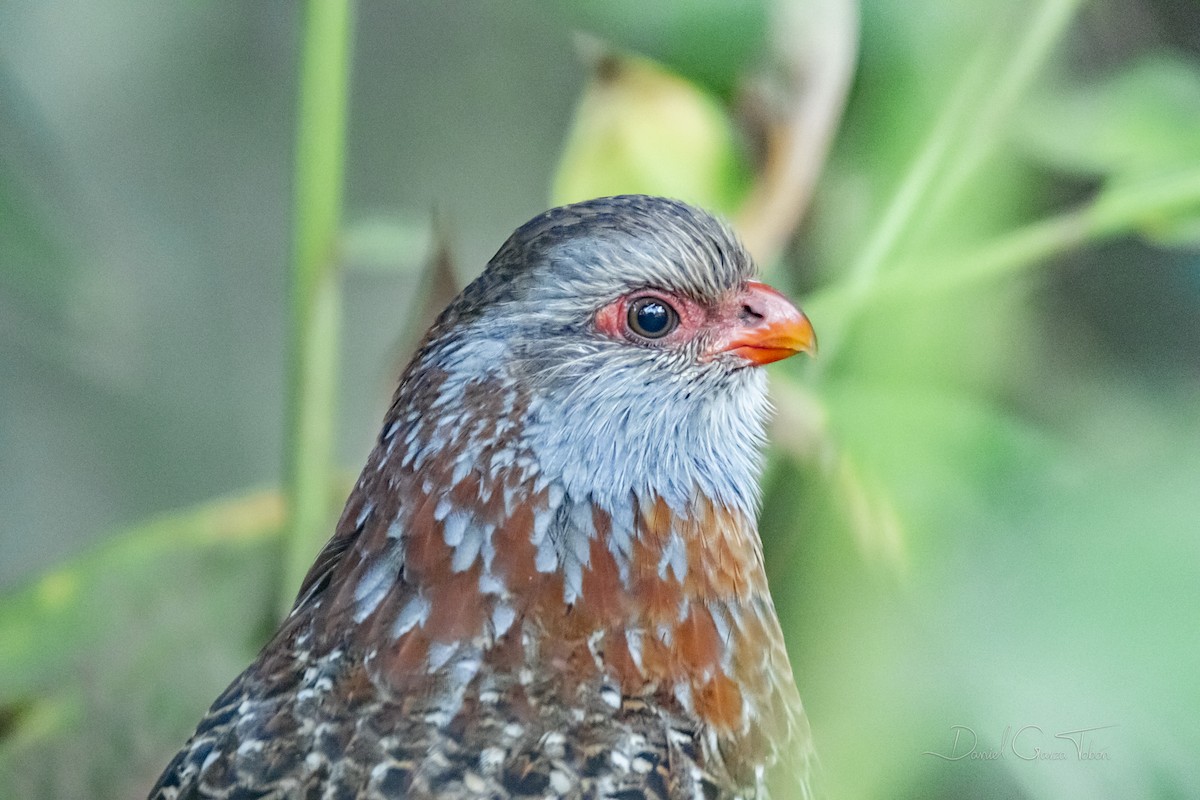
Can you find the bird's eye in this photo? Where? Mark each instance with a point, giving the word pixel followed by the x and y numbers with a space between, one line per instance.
pixel 652 318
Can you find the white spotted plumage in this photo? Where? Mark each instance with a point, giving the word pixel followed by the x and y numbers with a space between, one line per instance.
pixel 528 594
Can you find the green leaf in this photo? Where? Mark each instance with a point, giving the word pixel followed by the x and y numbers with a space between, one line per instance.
pixel 135 639
pixel 1141 124
pixel 1144 119
pixel 387 244
pixel 640 129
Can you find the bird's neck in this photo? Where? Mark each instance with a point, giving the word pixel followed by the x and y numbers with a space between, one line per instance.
pixel 459 560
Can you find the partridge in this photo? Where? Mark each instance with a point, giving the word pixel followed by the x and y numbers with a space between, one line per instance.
pixel 547 581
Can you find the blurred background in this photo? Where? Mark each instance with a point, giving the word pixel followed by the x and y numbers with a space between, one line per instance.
pixel 982 510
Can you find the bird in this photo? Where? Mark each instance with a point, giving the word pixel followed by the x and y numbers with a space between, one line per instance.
pixel 548 580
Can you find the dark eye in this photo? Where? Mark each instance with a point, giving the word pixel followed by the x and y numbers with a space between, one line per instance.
pixel 652 318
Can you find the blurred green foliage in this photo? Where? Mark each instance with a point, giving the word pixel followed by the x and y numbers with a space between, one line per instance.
pixel 981 511
pixel 641 130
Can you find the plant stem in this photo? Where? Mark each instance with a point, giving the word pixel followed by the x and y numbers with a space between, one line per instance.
pixel 960 138
pixel 990 121
pixel 315 288
pixel 1118 211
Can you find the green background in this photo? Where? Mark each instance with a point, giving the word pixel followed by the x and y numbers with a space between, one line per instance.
pixel 983 502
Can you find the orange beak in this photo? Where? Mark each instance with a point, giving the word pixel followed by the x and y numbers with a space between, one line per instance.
pixel 767 328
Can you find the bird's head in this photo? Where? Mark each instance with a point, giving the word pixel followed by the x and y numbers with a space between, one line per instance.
pixel 632 328
pixel 568 475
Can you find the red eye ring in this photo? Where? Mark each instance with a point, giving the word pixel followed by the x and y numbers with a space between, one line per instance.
pixel 651 317
pixel 639 318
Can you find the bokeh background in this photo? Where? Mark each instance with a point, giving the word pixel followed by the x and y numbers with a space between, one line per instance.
pixel 982 510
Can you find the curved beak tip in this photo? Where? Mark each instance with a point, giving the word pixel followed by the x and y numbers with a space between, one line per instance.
pixel 780 340
pixel 806 340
